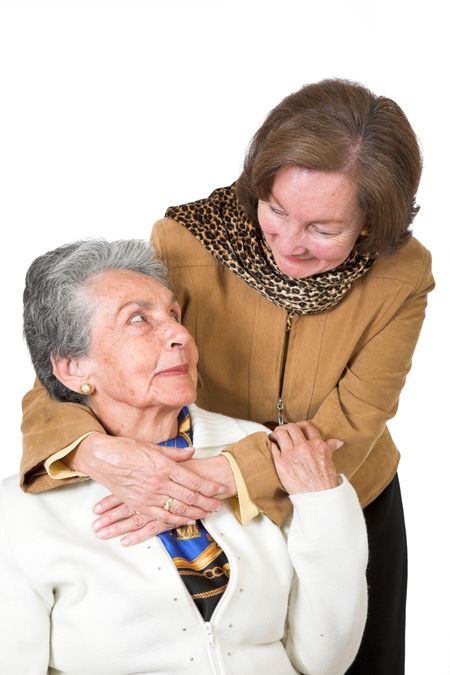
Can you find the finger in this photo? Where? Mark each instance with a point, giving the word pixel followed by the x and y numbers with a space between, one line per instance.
pixel 192 512
pixel 291 439
pixel 150 530
pixel 333 444
pixel 107 503
pixel 282 438
pixel 140 520
pixel 178 454
pixel 114 515
pixel 309 430
pixel 121 527
pixel 192 498
pixel 194 482
pixel 158 494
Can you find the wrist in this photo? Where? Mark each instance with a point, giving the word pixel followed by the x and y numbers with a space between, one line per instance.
pixel 77 459
pixel 215 469
pixel 225 476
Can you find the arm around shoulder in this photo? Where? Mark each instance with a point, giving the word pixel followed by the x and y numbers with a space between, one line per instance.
pixel 49 426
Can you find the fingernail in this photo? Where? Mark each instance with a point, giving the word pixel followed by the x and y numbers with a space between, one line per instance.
pixel 221 490
pixel 103 533
pixel 339 444
pixel 95 525
pixel 191 522
pixel 97 508
pixel 125 541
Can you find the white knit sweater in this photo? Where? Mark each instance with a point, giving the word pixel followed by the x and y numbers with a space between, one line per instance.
pixel 72 604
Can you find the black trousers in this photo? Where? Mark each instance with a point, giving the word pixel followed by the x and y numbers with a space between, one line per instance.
pixel 382 650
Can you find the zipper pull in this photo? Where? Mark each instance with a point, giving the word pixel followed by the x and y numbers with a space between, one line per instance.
pixel 280 408
pixel 289 320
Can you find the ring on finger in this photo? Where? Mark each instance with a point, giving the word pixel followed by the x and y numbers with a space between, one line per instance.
pixel 168 504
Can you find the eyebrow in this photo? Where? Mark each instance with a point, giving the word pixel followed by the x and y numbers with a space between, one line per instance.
pixel 322 221
pixel 143 304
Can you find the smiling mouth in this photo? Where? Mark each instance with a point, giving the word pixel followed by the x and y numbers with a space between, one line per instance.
pixel 296 258
pixel 182 369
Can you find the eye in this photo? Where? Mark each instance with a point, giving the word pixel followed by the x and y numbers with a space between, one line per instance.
pixel 277 212
pixel 138 318
pixel 175 315
pixel 318 230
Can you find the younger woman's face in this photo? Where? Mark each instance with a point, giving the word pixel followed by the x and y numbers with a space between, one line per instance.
pixel 311 220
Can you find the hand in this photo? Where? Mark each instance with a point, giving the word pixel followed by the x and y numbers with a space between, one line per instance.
pixel 143 477
pixel 303 460
pixel 118 519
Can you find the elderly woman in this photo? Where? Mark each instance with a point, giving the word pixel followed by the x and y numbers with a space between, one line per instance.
pixel 212 596
pixel 305 292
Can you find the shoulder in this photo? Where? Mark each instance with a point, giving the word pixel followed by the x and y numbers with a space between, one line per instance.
pixel 411 265
pixel 177 237
pixel 51 504
pixel 178 247
pixel 215 430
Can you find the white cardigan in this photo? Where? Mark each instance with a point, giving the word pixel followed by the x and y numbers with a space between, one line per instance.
pixel 73 604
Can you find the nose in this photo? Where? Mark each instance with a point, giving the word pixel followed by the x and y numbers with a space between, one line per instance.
pixel 176 335
pixel 293 240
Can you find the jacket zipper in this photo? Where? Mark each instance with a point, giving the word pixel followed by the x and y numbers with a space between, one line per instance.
pixel 287 334
pixel 206 625
pixel 212 652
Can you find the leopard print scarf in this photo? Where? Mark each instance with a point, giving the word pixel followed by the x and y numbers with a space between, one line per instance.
pixel 222 226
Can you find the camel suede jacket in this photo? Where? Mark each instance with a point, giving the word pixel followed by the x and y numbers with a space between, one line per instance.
pixel 343 368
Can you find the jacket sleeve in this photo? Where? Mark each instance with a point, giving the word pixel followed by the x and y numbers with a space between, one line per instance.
pixel 368 392
pixel 252 454
pixel 49 426
pixel 327 544
pixel 24 616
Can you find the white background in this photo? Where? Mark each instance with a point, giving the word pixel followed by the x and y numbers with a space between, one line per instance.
pixel 112 111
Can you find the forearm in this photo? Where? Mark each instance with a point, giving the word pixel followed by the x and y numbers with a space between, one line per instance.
pixel 254 458
pixel 49 426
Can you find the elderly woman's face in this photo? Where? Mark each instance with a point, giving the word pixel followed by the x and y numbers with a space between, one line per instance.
pixel 140 353
pixel 311 220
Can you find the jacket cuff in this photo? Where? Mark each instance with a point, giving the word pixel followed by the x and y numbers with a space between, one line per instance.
pixel 253 456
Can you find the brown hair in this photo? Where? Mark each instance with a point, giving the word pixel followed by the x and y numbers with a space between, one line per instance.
pixel 337 125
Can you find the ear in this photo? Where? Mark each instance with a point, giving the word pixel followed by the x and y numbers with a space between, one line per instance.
pixel 71 372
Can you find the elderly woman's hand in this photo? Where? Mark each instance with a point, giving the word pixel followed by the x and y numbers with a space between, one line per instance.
pixel 118 519
pixel 142 478
pixel 303 460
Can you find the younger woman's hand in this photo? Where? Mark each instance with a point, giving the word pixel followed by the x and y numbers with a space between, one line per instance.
pixel 303 460
pixel 118 519
pixel 143 479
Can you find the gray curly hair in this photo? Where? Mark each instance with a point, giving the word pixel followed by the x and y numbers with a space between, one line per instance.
pixel 58 311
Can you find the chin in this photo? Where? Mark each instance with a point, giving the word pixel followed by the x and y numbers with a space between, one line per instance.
pixel 302 270
pixel 183 397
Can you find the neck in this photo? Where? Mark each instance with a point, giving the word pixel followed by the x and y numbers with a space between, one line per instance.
pixel 148 425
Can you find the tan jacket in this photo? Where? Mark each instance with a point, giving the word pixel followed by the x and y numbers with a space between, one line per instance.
pixel 344 368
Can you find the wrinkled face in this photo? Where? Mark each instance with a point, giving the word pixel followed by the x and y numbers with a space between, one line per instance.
pixel 311 220
pixel 140 353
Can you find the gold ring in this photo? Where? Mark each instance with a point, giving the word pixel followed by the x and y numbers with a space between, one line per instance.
pixel 168 504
